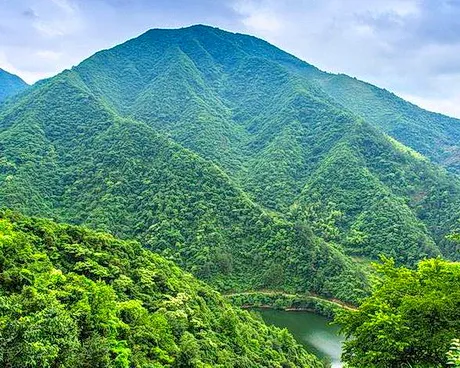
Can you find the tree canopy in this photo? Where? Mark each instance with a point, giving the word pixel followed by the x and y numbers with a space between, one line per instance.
pixel 70 297
pixel 411 318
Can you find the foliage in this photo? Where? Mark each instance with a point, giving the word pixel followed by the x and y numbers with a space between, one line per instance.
pixel 409 320
pixel 453 355
pixel 283 301
pixel 10 85
pixel 228 156
pixel 434 135
pixel 376 200
pixel 67 156
pixel 70 297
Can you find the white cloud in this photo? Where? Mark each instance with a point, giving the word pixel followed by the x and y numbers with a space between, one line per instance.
pixel 37 37
pixel 61 19
pixel 6 65
pixel 68 6
pixel 48 29
pixel 263 22
pixel 26 75
pixel 49 55
pixel 450 106
pixel 258 17
pixel 411 47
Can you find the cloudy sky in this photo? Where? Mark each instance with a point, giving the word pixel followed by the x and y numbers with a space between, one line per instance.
pixel 411 47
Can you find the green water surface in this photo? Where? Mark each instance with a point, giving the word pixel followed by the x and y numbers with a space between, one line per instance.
pixel 311 330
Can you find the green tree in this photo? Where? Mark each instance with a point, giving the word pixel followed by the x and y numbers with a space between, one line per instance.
pixel 453 355
pixel 410 319
pixel 72 298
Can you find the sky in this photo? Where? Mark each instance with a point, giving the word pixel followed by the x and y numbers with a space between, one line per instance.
pixel 410 47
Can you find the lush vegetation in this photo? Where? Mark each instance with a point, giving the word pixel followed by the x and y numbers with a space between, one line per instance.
pixel 434 135
pixel 66 155
pixel 411 319
pixel 228 156
pixel 375 197
pixel 244 165
pixel 453 355
pixel 70 297
pixel 10 85
pixel 288 302
pixel 278 128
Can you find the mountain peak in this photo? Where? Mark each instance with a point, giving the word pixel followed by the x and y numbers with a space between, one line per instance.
pixel 267 131
pixel 191 28
pixel 202 44
pixel 201 26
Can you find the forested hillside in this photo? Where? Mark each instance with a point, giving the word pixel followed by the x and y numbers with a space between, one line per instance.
pixel 434 135
pixel 75 298
pixel 273 123
pixel 10 85
pixel 67 156
pixel 231 157
pixel 379 197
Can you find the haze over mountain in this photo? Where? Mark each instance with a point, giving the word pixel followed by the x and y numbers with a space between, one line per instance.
pixel 244 164
pixel 10 84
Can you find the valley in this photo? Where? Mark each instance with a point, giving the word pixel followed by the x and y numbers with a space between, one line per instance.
pixel 150 191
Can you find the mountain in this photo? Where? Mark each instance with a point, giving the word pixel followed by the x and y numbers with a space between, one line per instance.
pixel 232 158
pixel 434 135
pixel 10 84
pixel 272 122
pixel 76 298
pixel 66 155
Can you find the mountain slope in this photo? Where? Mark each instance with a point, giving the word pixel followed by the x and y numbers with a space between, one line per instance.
pixel 10 85
pixel 377 197
pixel 212 92
pixel 270 121
pixel 68 156
pixel 75 298
pixel 227 155
pixel 433 135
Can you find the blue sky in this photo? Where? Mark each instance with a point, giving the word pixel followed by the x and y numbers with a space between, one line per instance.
pixel 411 47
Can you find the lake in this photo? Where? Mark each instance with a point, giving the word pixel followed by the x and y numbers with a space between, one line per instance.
pixel 311 330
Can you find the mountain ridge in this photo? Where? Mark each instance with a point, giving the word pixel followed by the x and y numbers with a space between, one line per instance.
pixel 249 128
pixel 10 85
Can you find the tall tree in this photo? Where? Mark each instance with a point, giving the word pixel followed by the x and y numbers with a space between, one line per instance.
pixel 410 319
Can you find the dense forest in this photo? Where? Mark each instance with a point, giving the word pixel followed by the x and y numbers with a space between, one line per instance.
pixel 412 318
pixel 70 297
pixel 254 171
pixel 226 155
pixel 434 135
pixel 10 85
pixel 80 162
